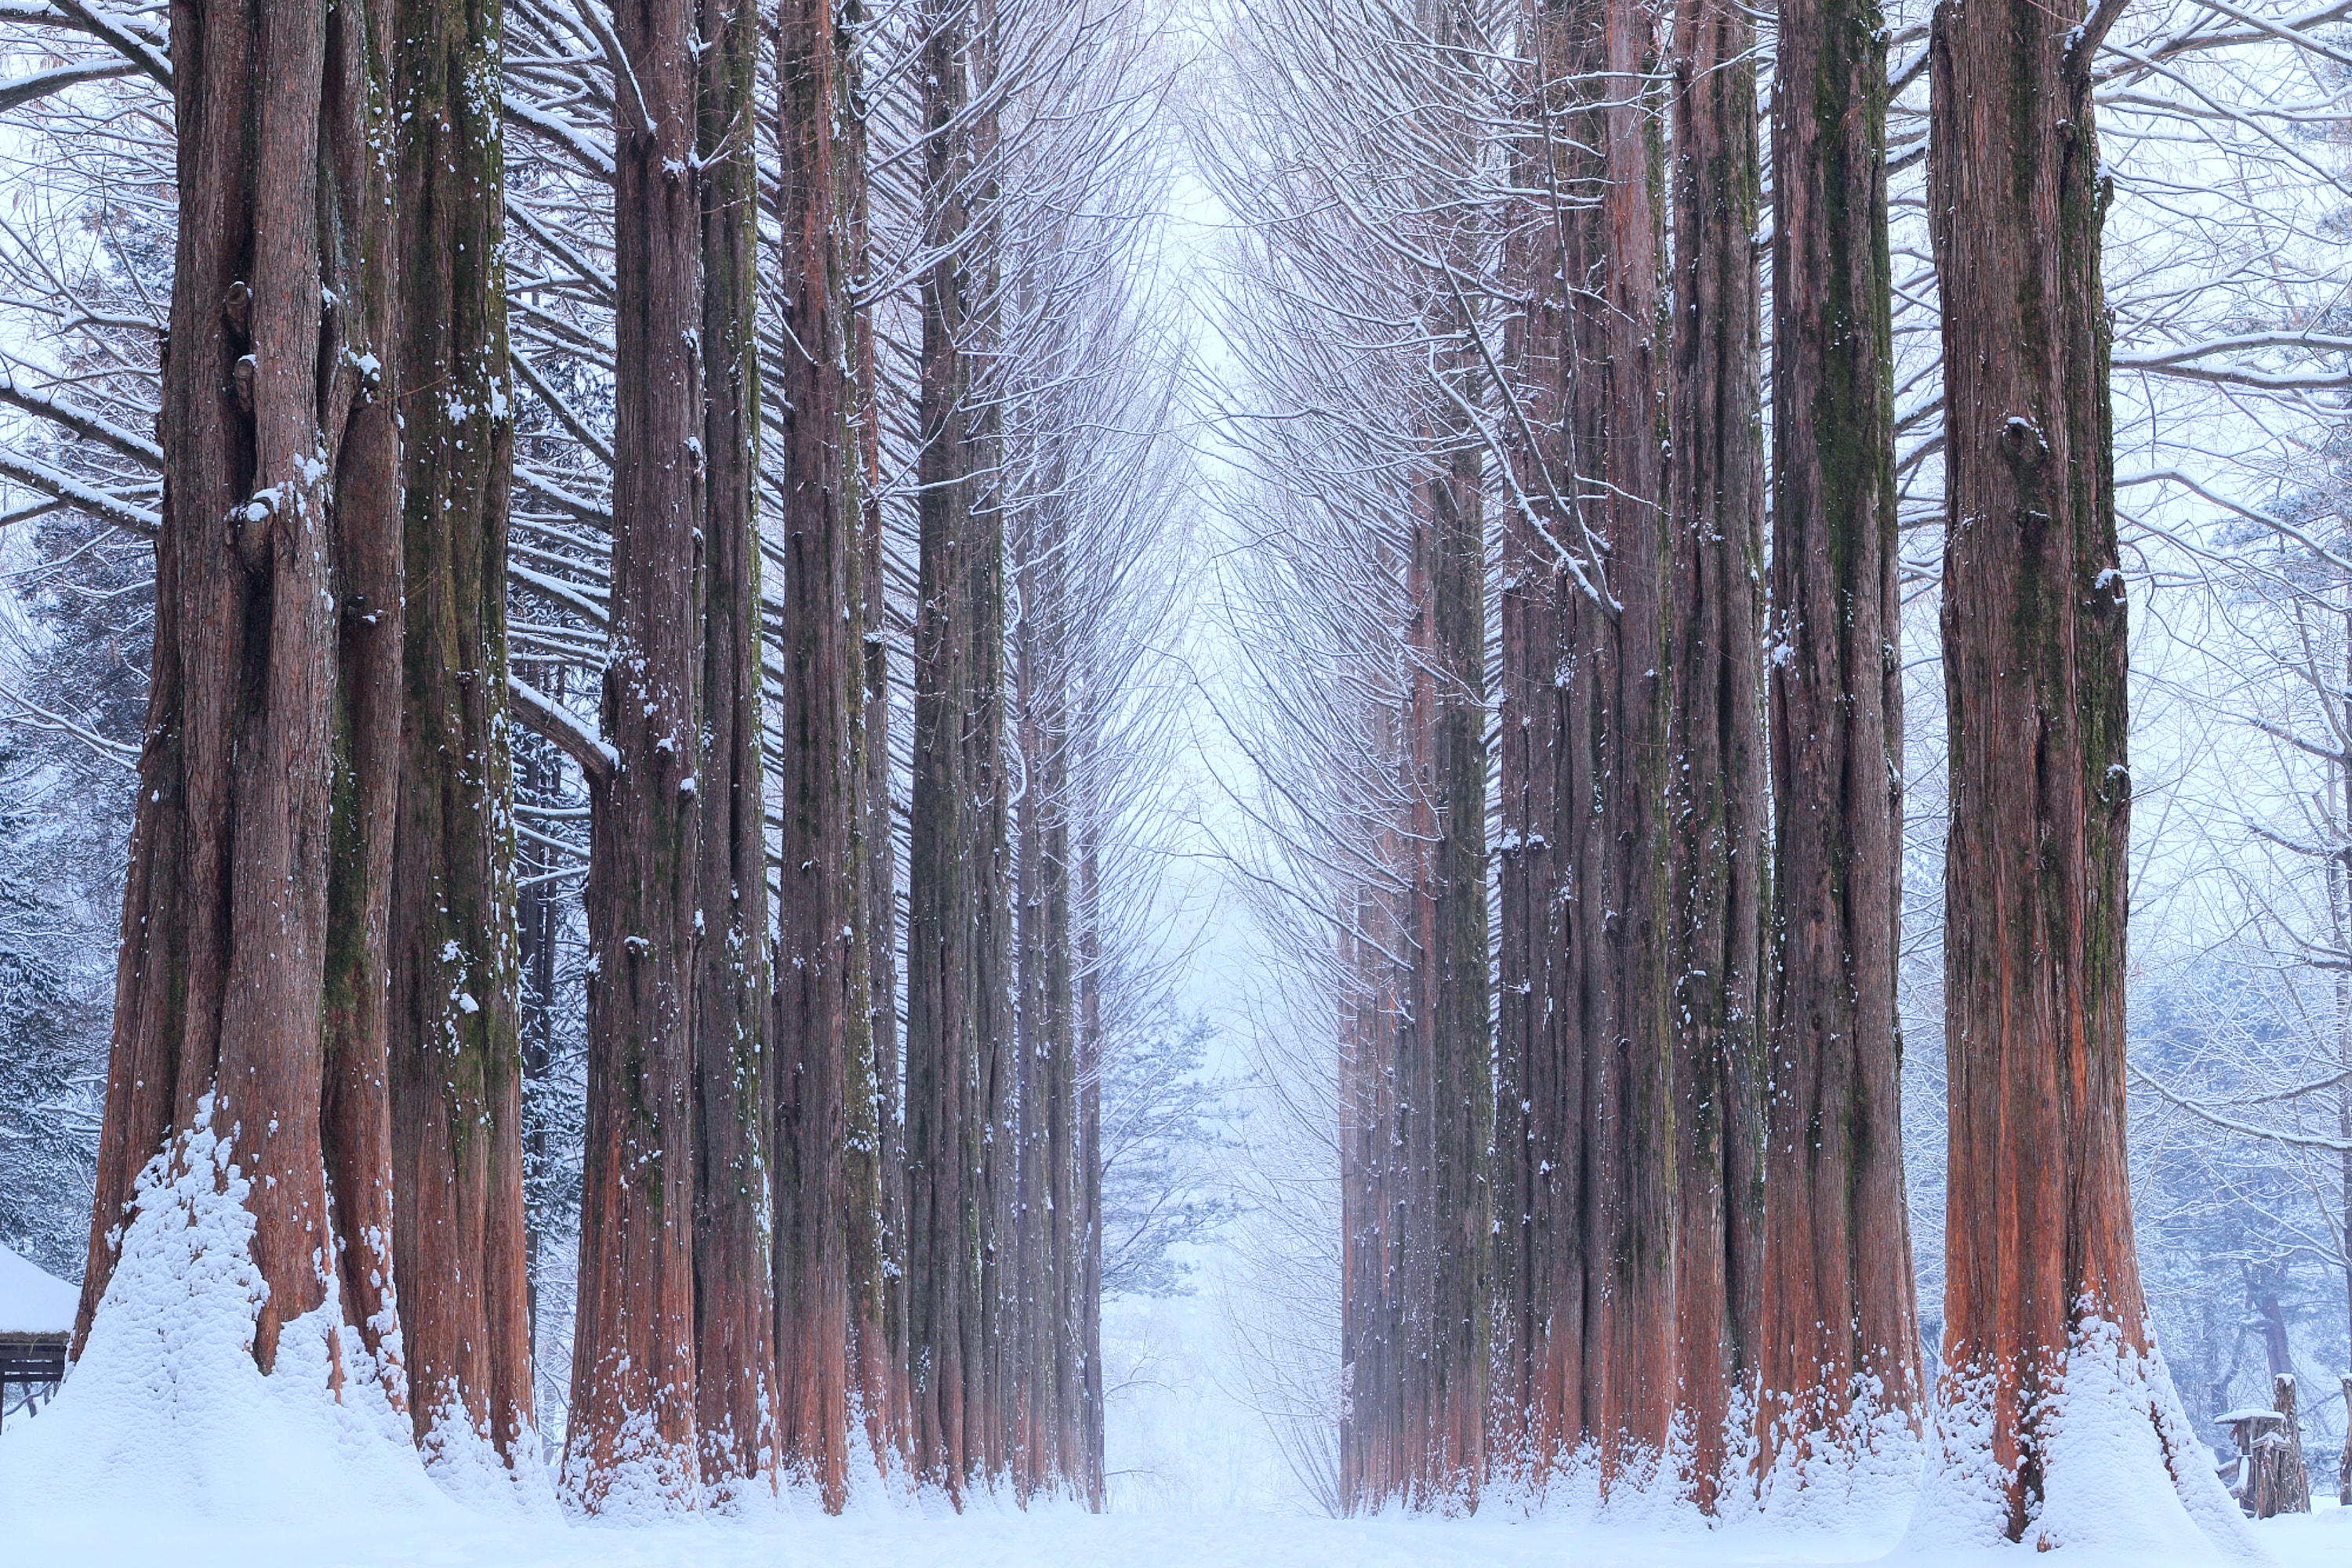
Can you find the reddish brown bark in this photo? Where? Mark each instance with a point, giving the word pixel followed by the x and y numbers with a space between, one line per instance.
pixel 1588 1148
pixel 826 1122
pixel 2040 1236
pixel 632 1442
pixel 456 1049
pixel 1415 1162
pixel 956 872
pixel 1716 776
pixel 735 1326
pixel 250 989
pixel 1840 1321
pixel 1615 835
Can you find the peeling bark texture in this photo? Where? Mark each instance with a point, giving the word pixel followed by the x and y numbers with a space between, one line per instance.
pixel 1716 777
pixel 251 985
pixel 1841 1323
pixel 958 878
pixel 456 1048
pixel 827 1187
pixel 734 1066
pixel 2033 624
pixel 632 1444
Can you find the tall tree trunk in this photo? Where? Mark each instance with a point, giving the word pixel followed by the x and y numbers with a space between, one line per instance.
pixel 956 872
pixel 827 1138
pixel 1538 1292
pixel 632 1442
pixel 1717 805
pixel 734 1066
pixel 1031 1305
pixel 2040 1236
pixel 1458 1116
pixel 251 985
pixel 456 1079
pixel 1587 1145
pixel 1615 789
pixel 1840 1324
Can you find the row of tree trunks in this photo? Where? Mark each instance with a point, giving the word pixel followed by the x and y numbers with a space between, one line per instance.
pixel 1840 1338
pixel 456 1050
pixel 2040 1236
pixel 330 717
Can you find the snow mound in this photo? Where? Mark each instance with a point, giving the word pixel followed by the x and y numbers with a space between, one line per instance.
pixel 166 1413
pixel 2123 1474
pixel 33 1301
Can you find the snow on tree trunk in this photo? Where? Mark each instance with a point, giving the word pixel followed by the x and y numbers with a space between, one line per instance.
pixel 2046 1353
pixel 457 1052
pixel 251 986
pixel 828 1139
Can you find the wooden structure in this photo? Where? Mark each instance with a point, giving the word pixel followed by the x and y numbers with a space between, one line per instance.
pixel 31 1367
pixel 37 1313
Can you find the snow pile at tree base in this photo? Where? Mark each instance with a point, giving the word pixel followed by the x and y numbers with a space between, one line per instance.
pixel 2123 1474
pixel 166 1412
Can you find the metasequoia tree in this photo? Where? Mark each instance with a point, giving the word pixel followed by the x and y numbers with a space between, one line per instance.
pixel 1839 1343
pixel 829 1278
pixel 1611 1144
pixel 456 1049
pixel 632 1442
pixel 2039 1251
pixel 1537 1409
pixel 251 991
pixel 734 1066
pixel 957 930
pixel 1717 778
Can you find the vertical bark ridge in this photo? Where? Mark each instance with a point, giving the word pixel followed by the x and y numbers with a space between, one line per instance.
pixel 734 1061
pixel 1717 805
pixel 456 1041
pixel 1841 1325
pixel 632 1445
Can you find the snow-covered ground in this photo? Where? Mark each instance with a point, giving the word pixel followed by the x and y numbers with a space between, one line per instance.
pixel 1058 1537
pixel 167 1446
